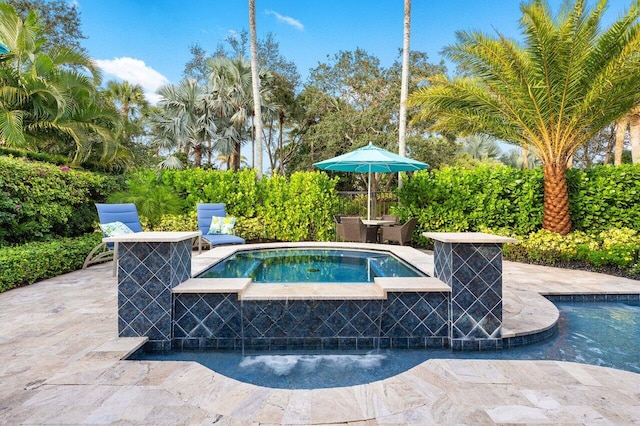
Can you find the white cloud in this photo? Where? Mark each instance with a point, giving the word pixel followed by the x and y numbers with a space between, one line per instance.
pixel 287 20
pixel 135 71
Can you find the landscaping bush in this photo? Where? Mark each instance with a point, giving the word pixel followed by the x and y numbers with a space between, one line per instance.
pixel 499 197
pixel 299 208
pixel 615 248
pixel 463 200
pixel 604 197
pixel 26 264
pixel 40 201
pixel 237 190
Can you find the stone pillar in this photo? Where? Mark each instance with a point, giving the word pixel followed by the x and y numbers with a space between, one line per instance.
pixel 471 264
pixel 150 264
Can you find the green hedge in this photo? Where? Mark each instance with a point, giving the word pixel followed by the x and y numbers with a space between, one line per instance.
pixel 238 190
pixel 299 208
pixel 604 197
pixel 26 264
pixel 40 201
pixel 295 208
pixel 462 200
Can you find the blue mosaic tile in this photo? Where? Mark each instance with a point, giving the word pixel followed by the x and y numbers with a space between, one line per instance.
pixel 399 343
pixel 347 343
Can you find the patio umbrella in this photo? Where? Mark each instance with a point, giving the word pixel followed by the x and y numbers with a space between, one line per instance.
pixel 3 49
pixel 370 159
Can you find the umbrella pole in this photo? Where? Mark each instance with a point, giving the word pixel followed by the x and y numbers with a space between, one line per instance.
pixel 369 196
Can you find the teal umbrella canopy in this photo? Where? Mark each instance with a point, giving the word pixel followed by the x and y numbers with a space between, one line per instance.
pixel 370 159
pixel 3 49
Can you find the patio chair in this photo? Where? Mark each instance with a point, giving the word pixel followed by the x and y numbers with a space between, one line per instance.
pixel 393 217
pixel 206 213
pixel 356 231
pixel 399 234
pixel 337 220
pixel 112 214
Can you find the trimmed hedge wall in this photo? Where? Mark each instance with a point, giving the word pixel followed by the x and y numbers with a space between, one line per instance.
pixel 460 200
pixel 28 263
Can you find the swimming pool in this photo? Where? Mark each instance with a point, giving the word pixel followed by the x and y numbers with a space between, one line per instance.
pixel 604 334
pixel 310 266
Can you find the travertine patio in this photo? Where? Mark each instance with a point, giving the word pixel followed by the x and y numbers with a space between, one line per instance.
pixel 61 365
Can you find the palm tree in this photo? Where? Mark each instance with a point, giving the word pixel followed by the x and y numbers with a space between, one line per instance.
pixel 186 119
pixel 230 85
pixel 565 83
pixel 255 83
pixel 49 101
pixel 129 97
pixel 404 85
pixel 480 147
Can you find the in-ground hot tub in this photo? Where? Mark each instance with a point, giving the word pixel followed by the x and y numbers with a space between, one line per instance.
pixel 311 265
pixel 384 299
pixel 460 307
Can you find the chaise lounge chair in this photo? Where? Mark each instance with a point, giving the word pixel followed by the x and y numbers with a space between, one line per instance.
pixel 113 216
pixel 206 213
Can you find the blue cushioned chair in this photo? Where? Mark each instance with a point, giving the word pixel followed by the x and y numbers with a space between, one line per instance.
pixel 205 213
pixel 107 213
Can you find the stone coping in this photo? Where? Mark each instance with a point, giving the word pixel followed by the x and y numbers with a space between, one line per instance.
pixel 152 237
pixel 468 237
pixel 213 285
pixel 247 290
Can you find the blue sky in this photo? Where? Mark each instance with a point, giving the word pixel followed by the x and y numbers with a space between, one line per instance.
pixel 147 41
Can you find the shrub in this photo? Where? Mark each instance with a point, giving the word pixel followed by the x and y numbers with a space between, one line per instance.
pixel 28 263
pixel 177 222
pixel 618 248
pixel 460 200
pixel 40 201
pixel 299 208
pixel 153 200
pixel 237 190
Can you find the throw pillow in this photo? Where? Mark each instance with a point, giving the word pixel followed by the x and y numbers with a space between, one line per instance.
pixel 222 225
pixel 115 229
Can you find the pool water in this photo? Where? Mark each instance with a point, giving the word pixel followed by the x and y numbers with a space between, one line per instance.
pixel 310 266
pixel 604 334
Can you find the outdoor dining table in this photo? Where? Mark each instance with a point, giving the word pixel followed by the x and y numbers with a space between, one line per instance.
pixel 377 223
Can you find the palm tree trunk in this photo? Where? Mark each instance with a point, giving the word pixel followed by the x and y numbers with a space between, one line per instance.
pixel 280 142
pixel 621 128
pixel 404 85
pixel 525 157
pixel 255 82
pixel 197 156
pixel 556 198
pixel 634 137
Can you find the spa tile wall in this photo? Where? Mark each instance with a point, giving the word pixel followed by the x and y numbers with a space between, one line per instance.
pixel 220 321
pixel 474 273
pixel 146 274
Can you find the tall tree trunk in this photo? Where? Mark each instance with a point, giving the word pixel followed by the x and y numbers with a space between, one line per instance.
pixel 197 156
pixel 280 142
pixel 556 216
pixel 255 82
pixel 634 136
pixel 404 89
pixel 621 129
pixel 237 155
pixel 525 157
